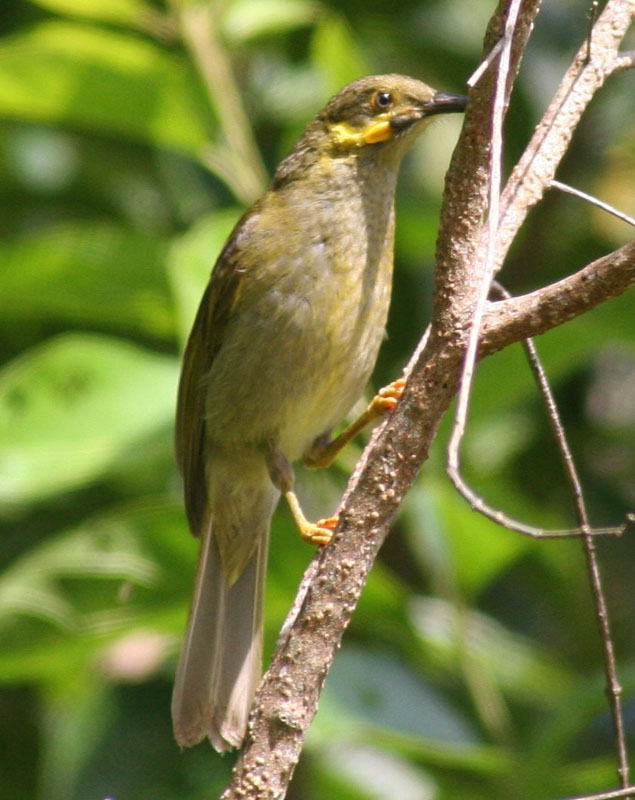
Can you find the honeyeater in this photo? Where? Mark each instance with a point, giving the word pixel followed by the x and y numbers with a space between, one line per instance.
pixel 283 344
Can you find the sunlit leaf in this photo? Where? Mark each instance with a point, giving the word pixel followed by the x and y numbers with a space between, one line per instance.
pixel 91 273
pixel 376 774
pixel 455 543
pixel 496 656
pixel 99 80
pixel 247 19
pixel 70 407
pixel 123 12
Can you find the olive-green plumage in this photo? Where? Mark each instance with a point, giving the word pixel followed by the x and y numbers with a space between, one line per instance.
pixel 284 341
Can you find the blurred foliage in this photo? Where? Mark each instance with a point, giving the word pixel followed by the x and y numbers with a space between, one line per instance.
pixel 472 667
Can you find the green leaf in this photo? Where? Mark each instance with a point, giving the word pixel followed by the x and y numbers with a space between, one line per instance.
pixel 369 772
pixel 373 697
pixel 248 19
pixel 77 75
pixel 123 12
pixel 377 689
pixel 32 585
pixel 120 572
pixel 74 721
pixel 72 406
pixel 87 273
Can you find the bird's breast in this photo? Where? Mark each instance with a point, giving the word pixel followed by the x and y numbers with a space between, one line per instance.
pixel 304 336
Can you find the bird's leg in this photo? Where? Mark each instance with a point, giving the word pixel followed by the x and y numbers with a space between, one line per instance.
pixel 323 452
pixel 283 478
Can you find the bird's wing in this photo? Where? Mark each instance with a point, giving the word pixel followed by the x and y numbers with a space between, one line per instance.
pixel 202 346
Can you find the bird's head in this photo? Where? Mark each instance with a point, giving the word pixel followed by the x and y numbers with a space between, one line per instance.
pixel 383 109
pixel 377 116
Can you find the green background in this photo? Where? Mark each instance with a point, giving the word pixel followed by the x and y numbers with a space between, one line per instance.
pixel 472 667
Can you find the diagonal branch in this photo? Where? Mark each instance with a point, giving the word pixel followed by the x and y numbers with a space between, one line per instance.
pixel 586 74
pixel 535 313
pixel 287 698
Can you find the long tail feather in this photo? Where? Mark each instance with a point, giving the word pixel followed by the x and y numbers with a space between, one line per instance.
pixel 220 663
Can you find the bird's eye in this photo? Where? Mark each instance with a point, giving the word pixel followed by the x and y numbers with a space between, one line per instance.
pixel 382 100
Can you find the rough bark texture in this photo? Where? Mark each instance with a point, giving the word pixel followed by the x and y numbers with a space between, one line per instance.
pixel 287 699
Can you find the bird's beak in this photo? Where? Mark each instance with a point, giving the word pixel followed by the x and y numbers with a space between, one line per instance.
pixel 442 102
pixel 439 103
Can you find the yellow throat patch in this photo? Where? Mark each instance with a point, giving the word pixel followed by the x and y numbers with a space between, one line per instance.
pixel 346 135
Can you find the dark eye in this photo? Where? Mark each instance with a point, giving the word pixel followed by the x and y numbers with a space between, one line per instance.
pixel 382 99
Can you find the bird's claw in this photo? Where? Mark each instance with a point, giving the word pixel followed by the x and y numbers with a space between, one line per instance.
pixel 320 532
pixel 387 398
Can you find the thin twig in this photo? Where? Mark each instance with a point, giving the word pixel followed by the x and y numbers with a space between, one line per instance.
pixel 614 689
pixel 288 695
pixel 477 503
pixel 593 15
pixel 485 64
pixel 537 166
pixel 625 792
pixel 593 200
pixel 498 114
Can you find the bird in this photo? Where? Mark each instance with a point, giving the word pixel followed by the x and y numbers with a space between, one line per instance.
pixel 283 344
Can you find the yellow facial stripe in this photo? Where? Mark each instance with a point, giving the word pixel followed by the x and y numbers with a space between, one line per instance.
pixel 378 132
pixel 347 136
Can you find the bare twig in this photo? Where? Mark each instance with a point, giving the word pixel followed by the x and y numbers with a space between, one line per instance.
pixel 571 286
pixel 532 314
pixel 625 792
pixel 453 466
pixel 593 200
pixel 501 98
pixel 614 690
pixel 593 15
pixel 485 63
pixel 287 698
pixel 539 162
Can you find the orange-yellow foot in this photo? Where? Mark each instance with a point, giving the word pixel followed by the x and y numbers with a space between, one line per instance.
pixel 387 398
pixel 320 532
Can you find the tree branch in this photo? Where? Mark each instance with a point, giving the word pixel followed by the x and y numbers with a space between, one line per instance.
pixel 538 164
pixel 287 698
pixel 288 695
pixel 537 312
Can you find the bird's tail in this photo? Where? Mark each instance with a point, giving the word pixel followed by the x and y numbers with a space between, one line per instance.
pixel 220 663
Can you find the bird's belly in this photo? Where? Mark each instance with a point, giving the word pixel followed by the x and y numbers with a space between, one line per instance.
pixel 334 378
pixel 306 361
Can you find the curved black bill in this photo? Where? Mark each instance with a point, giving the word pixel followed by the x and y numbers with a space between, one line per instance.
pixel 442 103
